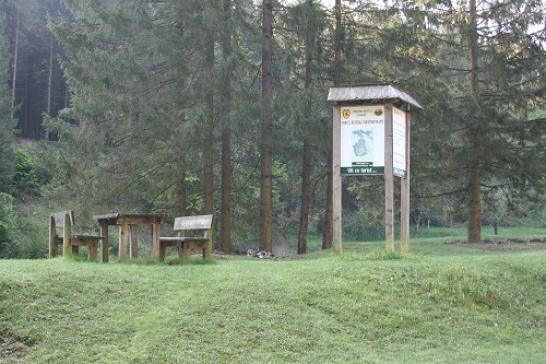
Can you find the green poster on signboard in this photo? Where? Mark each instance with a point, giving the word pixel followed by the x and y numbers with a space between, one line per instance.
pixel 362 140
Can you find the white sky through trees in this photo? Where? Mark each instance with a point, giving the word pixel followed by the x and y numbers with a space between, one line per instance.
pixel 327 3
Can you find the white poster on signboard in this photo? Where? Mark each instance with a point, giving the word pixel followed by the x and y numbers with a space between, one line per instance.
pixel 399 142
pixel 362 140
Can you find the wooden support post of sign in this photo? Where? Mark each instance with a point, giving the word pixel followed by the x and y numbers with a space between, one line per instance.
pixel 123 239
pixel 405 194
pixel 133 250
pixel 389 181
pixel 336 181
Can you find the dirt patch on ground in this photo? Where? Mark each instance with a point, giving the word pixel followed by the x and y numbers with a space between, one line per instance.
pixel 13 347
pixel 505 245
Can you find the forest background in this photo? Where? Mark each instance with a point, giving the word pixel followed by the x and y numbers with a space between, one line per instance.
pixel 219 106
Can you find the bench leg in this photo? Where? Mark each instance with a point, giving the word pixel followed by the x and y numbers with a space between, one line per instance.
pixel 162 252
pixel 53 248
pixel 181 251
pixel 156 245
pixel 67 236
pixel 184 252
pixel 93 248
pixel 52 238
pixel 207 247
pixel 207 250
pixel 75 250
pixel 123 240
pixel 58 246
pixel 105 243
pixel 133 248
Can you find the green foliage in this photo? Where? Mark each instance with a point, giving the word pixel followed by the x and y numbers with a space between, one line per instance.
pixel 29 173
pixel 6 124
pixel 6 149
pixel 6 226
pixel 486 308
pixel 363 226
pixel 30 238
pixel 27 228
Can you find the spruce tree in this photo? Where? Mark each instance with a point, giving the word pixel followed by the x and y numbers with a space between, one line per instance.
pixel 502 54
pixel 6 140
pixel 6 123
pixel 266 198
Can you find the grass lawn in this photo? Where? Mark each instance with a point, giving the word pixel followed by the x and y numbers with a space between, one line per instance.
pixel 443 304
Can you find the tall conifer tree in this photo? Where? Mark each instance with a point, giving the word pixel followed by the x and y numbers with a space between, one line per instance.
pixel 266 198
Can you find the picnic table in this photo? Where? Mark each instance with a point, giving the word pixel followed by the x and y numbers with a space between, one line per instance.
pixel 128 223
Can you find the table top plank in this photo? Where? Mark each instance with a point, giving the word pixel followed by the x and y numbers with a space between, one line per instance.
pixel 115 217
pixel 106 216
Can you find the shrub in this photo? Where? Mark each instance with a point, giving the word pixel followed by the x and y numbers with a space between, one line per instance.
pixel 6 227
pixel 363 226
pixel 29 175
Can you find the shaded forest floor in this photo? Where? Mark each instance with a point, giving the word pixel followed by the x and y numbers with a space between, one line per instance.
pixel 444 303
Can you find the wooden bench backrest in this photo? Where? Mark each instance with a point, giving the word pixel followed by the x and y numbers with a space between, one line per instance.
pixel 58 217
pixel 198 222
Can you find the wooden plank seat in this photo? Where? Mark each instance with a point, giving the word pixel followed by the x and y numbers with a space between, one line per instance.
pixel 86 237
pixel 176 239
pixel 186 244
pixel 70 242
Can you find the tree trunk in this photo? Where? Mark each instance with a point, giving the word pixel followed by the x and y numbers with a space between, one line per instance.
pixel 307 151
pixel 417 224
pixel 208 145
pixel 226 132
pixel 328 233
pixel 496 227
pixel 181 192
pixel 474 213
pixel 15 63
pixel 66 95
pixel 328 223
pixel 305 199
pixel 50 81
pixel 266 198
pixel 337 43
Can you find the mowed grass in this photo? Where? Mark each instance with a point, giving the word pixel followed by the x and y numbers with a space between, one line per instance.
pixel 361 307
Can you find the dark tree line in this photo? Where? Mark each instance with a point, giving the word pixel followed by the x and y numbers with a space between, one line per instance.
pixel 37 83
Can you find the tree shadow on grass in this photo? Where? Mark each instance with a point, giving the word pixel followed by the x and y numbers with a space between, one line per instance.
pixel 14 347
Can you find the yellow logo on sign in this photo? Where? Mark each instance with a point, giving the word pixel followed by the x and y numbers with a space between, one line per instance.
pixel 346 113
pixel 378 112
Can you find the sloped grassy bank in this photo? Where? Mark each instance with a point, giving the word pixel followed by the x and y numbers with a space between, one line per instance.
pixel 355 308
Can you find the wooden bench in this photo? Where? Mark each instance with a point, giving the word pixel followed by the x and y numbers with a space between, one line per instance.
pixel 70 242
pixel 185 244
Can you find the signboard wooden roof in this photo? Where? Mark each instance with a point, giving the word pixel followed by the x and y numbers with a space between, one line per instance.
pixel 371 93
